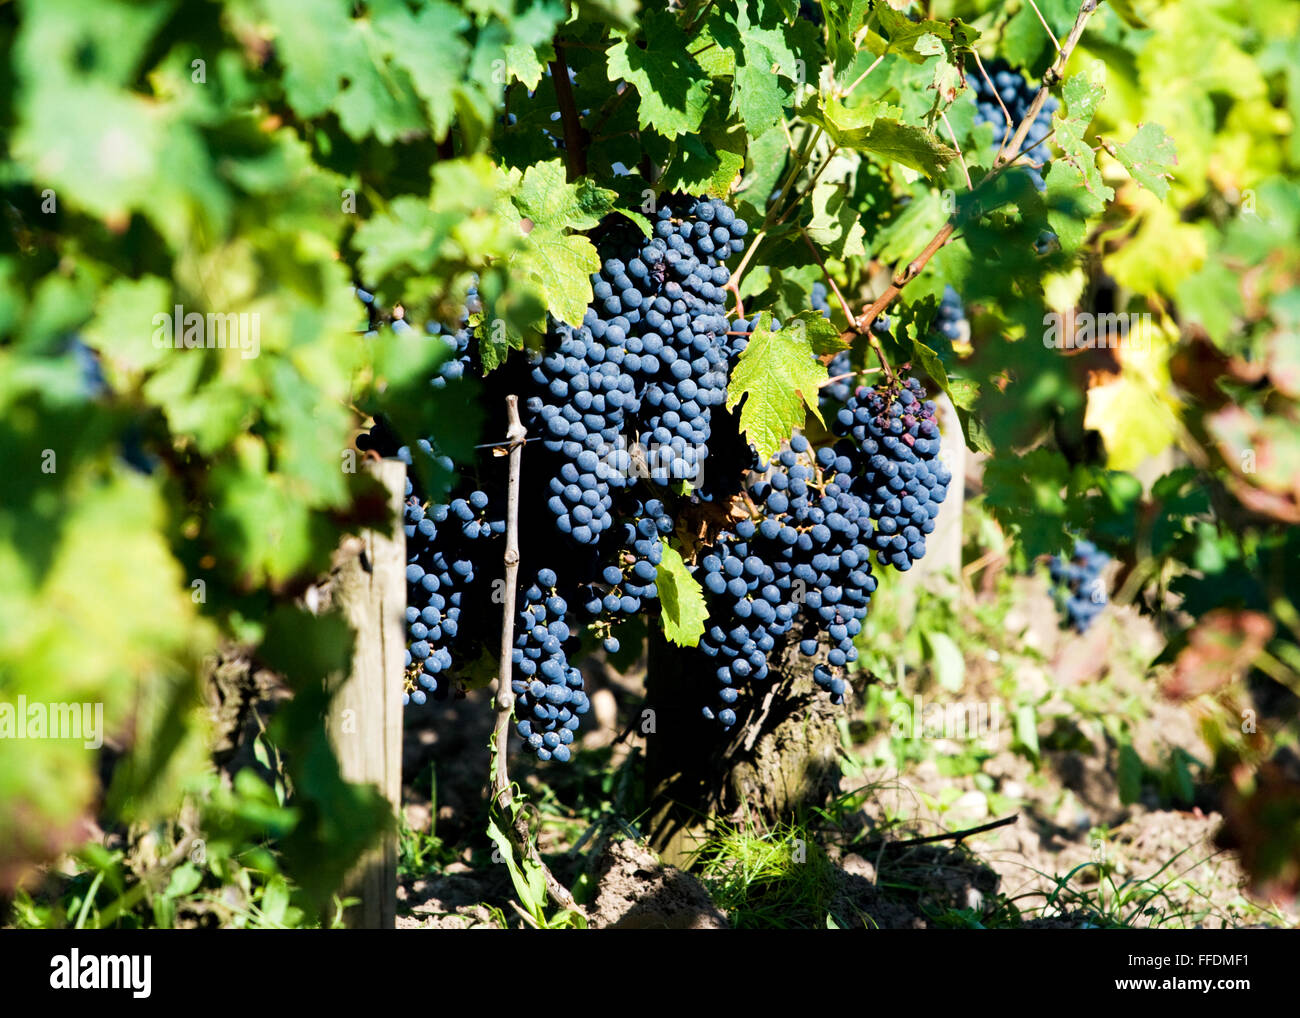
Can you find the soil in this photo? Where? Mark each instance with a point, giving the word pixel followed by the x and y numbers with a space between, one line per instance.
pixel 1076 855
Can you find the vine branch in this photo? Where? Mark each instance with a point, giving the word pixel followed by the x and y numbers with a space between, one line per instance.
pixel 844 306
pixel 1012 144
pixel 502 788
pixel 575 152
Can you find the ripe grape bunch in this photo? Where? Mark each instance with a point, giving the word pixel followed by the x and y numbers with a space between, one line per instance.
pixel 1016 94
pixel 1079 583
pixel 622 411
pixel 896 445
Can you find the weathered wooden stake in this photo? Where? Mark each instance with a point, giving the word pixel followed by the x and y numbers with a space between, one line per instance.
pixel 365 718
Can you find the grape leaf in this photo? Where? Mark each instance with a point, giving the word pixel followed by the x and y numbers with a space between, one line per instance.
pixel 861 129
pixel 1077 184
pixel 780 375
pixel 681 600
pixel 408 233
pixel 844 19
pixel 836 227
pixel 903 34
pixel 524 63
pixel 561 264
pixel 1149 157
pixel 772 58
pixel 545 197
pixel 707 162
pixel 431 47
pixel 673 87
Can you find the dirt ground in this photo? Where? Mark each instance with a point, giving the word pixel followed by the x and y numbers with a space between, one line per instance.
pixel 1074 855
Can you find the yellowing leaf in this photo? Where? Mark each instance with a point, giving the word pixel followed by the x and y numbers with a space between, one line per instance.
pixel 1133 413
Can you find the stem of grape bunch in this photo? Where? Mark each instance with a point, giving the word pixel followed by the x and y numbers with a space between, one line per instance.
pixel 848 313
pixel 1008 152
pixel 502 787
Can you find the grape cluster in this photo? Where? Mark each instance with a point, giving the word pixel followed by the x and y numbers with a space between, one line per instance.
pixel 440 570
pixel 638 378
pixel 800 562
pixel 895 439
pixel 618 408
pixel 1080 584
pixel 648 363
pixel 549 694
pixel 684 332
pixel 1016 94
pixel 951 318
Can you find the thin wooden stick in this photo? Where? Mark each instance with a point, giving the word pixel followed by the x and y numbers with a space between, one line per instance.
pixel 949 836
pixel 502 789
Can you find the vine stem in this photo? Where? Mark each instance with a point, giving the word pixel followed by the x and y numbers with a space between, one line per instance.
pixel 801 158
pixel 1012 144
pixel 575 152
pixel 844 306
pixel 502 787
pixel 1053 75
pixel 994 89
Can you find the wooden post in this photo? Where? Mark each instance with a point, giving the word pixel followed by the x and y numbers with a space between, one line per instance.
pixel 365 718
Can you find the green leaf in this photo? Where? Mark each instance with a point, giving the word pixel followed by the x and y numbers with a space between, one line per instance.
pixel 561 265
pixel 1075 190
pixel 527 878
pixel 909 38
pixel 772 58
pixel 430 46
pixel 672 86
pixel 275 900
pixel 184 880
pixel 681 600
pixel 408 234
pixel 524 64
pixel 862 130
pixel 822 335
pixel 551 202
pixel 1149 157
pixel 1128 775
pixel 707 162
pixel 945 658
pixel 836 226
pixel 779 375
pixel 964 392
pixel 1027 729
